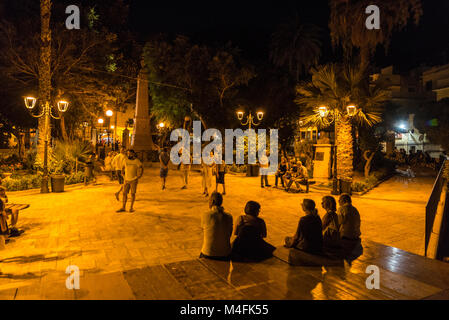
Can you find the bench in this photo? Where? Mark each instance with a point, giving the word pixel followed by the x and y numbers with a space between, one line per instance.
pixel 16 206
pixel 297 257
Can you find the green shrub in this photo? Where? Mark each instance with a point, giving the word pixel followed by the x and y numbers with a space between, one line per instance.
pixel 74 178
pixel 237 168
pixel 359 186
pixel 24 182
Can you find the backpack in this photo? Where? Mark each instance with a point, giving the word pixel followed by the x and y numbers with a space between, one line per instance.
pixel 331 235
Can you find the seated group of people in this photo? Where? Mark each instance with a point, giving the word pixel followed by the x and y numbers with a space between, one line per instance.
pixel 290 172
pixel 250 231
pixel 336 236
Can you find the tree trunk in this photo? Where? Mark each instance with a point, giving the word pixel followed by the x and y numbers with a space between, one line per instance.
pixel 44 72
pixel 368 155
pixel 65 137
pixel 344 144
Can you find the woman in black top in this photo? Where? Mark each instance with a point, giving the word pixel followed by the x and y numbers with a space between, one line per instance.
pixel 308 236
pixel 250 231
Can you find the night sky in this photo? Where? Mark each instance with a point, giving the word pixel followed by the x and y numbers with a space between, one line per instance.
pixel 248 24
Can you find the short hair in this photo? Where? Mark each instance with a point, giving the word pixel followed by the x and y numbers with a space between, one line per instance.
pixel 132 151
pixel 308 204
pixel 345 198
pixel 216 199
pixel 329 203
pixel 252 208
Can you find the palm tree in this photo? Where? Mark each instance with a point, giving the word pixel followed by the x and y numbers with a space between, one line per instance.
pixel 347 24
pixel 295 46
pixel 336 87
pixel 44 71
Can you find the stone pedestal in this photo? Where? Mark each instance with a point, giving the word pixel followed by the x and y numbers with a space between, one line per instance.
pixel 125 138
pixel 322 162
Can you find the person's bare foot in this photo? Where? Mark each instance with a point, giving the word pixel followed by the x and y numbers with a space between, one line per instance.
pixel 121 210
pixel 131 210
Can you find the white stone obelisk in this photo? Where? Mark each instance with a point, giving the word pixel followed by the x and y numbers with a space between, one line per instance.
pixel 141 139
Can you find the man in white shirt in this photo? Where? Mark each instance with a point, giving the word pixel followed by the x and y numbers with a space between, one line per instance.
pixel 117 165
pixel 131 167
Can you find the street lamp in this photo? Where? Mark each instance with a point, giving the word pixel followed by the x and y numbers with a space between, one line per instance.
pixel 250 118
pixel 62 105
pixel 250 122
pixel 109 114
pixel 330 117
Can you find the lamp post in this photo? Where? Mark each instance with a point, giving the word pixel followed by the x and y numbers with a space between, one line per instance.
pixel 249 119
pixel 161 127
pixel 85 124
pixel 109 114
pixel 330 117
pixel 30 103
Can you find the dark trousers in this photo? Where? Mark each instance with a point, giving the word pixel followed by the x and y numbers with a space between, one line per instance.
pixel 281 176
pixel 298 182
pixel 262 178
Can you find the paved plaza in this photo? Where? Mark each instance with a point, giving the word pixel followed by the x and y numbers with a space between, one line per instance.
pixel 121 254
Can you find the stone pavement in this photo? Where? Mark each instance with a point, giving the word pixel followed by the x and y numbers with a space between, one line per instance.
pixel 116 251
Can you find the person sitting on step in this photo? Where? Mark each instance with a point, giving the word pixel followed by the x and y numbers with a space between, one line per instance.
pixel 251 231
pixel 308 236
pixel 299 176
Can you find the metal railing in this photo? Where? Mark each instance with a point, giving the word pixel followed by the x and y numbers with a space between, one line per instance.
pixel 432 204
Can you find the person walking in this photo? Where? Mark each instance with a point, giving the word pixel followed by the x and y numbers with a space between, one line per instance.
pixel 220 171
pixel 117 165
pixel 185 168
pixel 164 160
pixel 131 166
pixel 217 230
pixel 89 169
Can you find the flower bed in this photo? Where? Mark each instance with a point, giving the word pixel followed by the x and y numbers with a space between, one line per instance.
pixel 372 181
pixel 19 182
pixel 237 168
